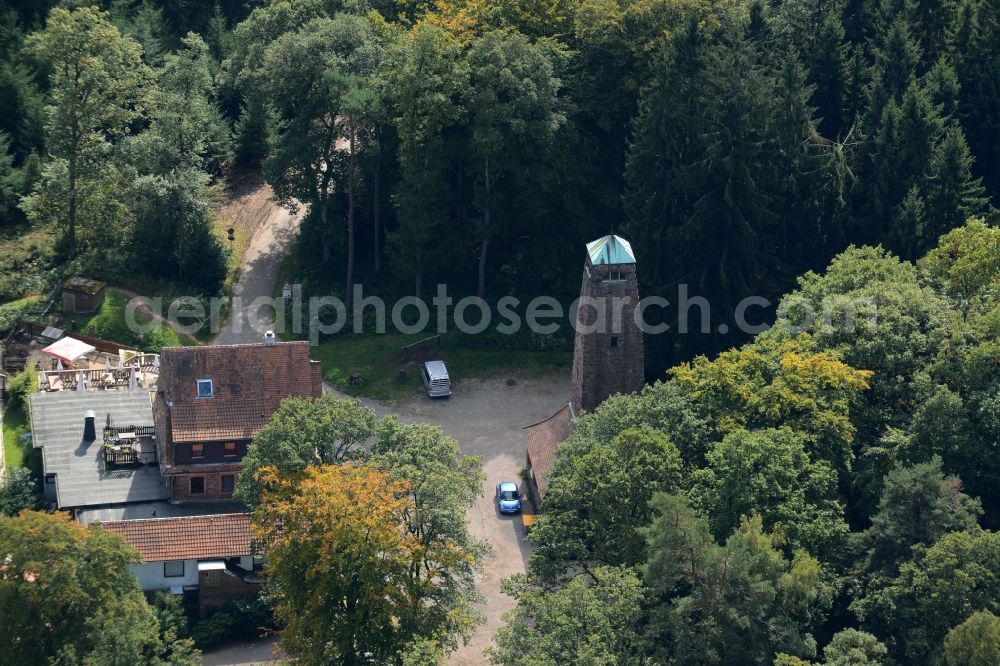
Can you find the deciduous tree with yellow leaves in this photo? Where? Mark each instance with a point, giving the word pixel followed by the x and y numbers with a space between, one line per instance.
pixel 348 581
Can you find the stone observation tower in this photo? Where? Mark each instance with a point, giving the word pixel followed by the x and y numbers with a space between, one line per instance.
pixel 607 355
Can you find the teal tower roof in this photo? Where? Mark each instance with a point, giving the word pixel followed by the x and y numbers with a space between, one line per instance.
pixel 610 250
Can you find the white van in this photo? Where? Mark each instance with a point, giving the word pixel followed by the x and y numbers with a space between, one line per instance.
pixel 436 380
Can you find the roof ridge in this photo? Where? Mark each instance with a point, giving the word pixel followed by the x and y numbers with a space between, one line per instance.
pixel 568 405
pixel 132 521
pixel 277 343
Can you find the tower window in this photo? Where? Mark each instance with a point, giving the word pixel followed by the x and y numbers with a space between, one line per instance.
pixel 614 342
pixel 614 276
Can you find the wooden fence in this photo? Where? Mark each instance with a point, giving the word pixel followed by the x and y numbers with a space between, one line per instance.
pixel 416 351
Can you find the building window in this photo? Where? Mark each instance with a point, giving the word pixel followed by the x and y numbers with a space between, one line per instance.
pixel 229 448
pixel 614 342
pixel 197 485
pixel 197 450
pixel 204 388
pixel 173 569
pixel 228 480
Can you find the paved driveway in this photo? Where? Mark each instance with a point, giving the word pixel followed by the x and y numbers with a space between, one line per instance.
pixel 256 653
pixel 485 416
pixel 258 273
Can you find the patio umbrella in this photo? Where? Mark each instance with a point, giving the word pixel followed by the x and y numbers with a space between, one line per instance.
pixel 132 384
pixel 81 381
pixel 68 349
pixel 107 362
pixel 59 365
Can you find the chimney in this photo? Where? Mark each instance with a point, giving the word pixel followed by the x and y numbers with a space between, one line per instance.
pixel 89 431
pixel 269 338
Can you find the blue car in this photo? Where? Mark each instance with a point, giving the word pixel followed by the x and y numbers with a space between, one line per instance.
pixel 508 497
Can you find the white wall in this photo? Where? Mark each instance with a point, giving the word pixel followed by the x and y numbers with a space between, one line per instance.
pixel 150 575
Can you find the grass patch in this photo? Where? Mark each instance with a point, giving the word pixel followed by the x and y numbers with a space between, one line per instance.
pixel 27 260
pixel 389 376
pixel 23 308
pixel 15 425
pixel 234 259
pixel 110 323
pixel 234 249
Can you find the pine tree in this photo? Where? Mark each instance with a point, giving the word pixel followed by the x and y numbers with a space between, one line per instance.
pixel 253 133
pixel 908 224
pixel 218 36
pixel 732 235
pixel 932 21
pixel 941 83
pixel 887 187
pixel 953 194
pixel 22 115
pixel 757 29
pixel 666 141
pixel 921 127
pixel 828 69
pixel 978 67
pixel 145 24
pixel 896 63
pixel 810 191
pixel 11 183
pixel 902 154
pixel 98 88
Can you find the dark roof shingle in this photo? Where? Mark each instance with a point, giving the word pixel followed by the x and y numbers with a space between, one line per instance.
pixel 188 538
pixel 248 384
pixel 541 441
pixel 82 479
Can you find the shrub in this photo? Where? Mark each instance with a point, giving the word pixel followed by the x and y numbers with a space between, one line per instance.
pixel 24 383
pixel 215 629
pixel 237 620
pixel 18 491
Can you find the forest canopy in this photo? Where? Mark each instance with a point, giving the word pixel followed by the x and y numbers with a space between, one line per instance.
pixel 812 495
pixel 478 143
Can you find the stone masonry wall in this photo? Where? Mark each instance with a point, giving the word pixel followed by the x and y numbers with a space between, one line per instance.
pixel 610 359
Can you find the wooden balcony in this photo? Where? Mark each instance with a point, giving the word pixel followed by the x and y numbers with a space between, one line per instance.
pixel 129 446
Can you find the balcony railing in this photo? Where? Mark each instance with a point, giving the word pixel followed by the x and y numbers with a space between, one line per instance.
pixel 129 446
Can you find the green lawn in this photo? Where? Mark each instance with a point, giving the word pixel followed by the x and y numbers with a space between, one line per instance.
pixel 15 424
pixel 388 375
pixel 18 309
pixel 109 323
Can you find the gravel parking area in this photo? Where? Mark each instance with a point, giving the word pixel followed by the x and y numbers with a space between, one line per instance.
pixel 485 416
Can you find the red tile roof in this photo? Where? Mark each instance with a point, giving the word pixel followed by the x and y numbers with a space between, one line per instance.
pixel 186 538
pixel 248 384
pixel 541 440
